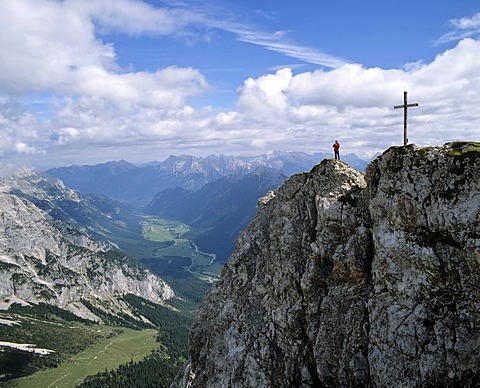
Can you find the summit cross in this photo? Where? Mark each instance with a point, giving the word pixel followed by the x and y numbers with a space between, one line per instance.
pixel 405 106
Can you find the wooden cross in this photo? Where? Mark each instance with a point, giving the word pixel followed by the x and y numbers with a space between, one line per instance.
pixel 405 106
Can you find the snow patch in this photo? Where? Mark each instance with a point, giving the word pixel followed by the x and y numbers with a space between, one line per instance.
pixel 8 322
pixel 26 347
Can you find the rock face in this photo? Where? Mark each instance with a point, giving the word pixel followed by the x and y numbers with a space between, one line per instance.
pixel 351 280
pixel 44 260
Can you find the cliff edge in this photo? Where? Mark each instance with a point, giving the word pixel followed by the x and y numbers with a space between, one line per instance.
pixel 351 280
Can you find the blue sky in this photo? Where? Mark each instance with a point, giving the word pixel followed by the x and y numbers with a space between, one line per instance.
pixel 84 82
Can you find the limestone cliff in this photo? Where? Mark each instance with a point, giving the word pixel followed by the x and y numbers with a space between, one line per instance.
pixel 351 280
pixel 44 260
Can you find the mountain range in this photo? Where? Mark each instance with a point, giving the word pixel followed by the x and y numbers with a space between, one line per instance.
pixel 72 279
pixel 215 195
pixel 48 253
pixel 338 278
pixel 76 251
pixel 137 185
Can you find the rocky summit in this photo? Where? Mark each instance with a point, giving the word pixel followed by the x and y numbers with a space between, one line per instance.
pixel 345 279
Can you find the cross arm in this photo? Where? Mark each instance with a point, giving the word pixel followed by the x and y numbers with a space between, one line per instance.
pixel 405 106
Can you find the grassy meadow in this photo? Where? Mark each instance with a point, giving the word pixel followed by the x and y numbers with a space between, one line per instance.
pixel 118 347
pixel 172 234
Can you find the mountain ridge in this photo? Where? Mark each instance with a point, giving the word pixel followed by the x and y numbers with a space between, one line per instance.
pixel 137 185
pixel 351 280
pixel 50 260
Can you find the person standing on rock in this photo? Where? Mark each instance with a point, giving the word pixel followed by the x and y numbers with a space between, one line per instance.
pixel 336 149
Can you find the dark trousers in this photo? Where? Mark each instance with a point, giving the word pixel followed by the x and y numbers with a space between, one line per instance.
pixel 337 155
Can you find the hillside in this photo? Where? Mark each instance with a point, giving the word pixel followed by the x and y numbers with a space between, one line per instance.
pixel 351 280
pixel 62 292
pixel 47 258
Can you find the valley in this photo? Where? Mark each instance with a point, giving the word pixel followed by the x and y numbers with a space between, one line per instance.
pixel 114 253
pixel 76 301
pixel 176 247
pixel 81 352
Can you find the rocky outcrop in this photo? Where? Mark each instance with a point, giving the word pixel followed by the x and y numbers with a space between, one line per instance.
pixel 351 280
pixel 43 260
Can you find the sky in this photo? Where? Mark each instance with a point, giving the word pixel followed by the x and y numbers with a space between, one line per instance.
pixel 89 81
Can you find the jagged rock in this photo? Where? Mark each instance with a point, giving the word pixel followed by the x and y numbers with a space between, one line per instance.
pixel 346 280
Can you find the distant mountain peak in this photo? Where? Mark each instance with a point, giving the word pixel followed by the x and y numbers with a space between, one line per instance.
pixel 138 185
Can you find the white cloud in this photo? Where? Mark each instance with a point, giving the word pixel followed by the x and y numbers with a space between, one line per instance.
pixel 165 89
pixel 52 48
pixel 24 148
pixel 356 103
pixel 63 55
pixel 277 111
pixel 114 114
pixel 277 42
pixel 135 17
pixel 264 97
pixel 467 27
pixel 349 85
pixel 19 129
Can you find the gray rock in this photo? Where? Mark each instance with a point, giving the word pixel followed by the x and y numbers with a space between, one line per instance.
pixel 46 261
pixel 346 280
